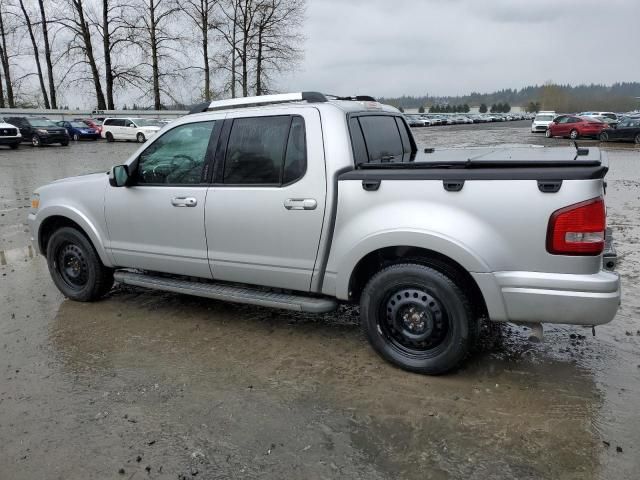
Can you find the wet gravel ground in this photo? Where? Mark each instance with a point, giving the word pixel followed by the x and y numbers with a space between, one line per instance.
pixel 151 385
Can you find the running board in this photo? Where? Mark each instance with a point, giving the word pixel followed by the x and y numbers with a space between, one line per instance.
pixel 220 291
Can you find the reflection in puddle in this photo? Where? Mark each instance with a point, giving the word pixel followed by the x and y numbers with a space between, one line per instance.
pixel 15 255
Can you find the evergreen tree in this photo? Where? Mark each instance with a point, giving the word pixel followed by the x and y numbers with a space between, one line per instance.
pixel 483 108
pixel 421 109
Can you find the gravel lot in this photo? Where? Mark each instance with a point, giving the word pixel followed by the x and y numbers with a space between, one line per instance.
pixel 152 385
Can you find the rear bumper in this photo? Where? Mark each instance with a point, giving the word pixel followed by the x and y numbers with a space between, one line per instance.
pixel 551 297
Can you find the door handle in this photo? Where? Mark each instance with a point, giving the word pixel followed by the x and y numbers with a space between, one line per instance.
pixel 184 202
pixel 300 204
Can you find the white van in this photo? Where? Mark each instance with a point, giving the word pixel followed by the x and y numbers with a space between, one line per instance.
pixel 138 129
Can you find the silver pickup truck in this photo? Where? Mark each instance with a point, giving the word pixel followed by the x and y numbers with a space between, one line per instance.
pixel 303 201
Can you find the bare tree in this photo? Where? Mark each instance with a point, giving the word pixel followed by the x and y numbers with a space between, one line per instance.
pixel 156 37
pixel 4 61
pixel 276 38
pixel 36 54
pixel 228 36
pixel 201 13
pixel 47 53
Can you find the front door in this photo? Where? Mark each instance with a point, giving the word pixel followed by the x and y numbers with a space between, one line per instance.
pixel 157 223
pixel 265 211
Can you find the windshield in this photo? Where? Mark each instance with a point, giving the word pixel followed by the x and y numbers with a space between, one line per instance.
pixel 145 123
pixel 41 122
pixel 544 118
pixel 78 124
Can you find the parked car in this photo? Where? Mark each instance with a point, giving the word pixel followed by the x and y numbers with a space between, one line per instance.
pixel 333 202
pixel 94 123
pixel 40 131
pixel 627 130
pixel 416 121
pixel 79 130
pixel 9 135
pixel 574 127
pixel 610 115
pixel 138 129
pixel 542 121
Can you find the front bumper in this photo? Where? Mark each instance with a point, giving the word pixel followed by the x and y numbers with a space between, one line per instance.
pixel 10 140
pixel 551 297
pixel 49 139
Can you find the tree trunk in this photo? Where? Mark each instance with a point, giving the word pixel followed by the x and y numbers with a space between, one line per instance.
pixel 4 58
pixel 154 57
pixel 259 64
pixel 106 46
pixel 245 48
pixel 86 36
pixel 47 55
pixel 205 54
pixel 233 49
pixel 2 104
pixel 36 55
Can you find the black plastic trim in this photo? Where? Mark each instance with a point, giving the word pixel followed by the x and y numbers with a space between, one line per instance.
pixel 549 186
pixel 371 185
pixel 453 185
pixel 538 173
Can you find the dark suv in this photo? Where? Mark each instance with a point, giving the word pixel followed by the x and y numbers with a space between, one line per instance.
pixel 40 131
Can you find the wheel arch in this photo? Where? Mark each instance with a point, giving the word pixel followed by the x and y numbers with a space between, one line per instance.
pixel 381 258
pixel 71 218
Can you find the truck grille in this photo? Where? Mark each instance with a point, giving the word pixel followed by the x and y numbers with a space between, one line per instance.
pixel 8 132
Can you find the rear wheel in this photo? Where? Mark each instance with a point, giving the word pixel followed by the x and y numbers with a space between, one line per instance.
pixel 574 134
pixel 604 137
pixel 140 138
pixel 417 318
pixel 75 266
pixel 109 137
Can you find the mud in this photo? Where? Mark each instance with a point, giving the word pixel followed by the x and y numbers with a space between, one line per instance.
pixel 151 385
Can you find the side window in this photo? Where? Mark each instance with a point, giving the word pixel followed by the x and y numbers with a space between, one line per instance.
pixel 357 142
pixel 404 135
pixel 107 122
pixel 382 137
pixel 177 157
pixel 256 150
pixel 295 160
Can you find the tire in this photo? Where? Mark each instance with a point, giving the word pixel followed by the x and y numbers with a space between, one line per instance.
pixel 604 137
pixel 547 133
pixel 109 137
pixel 573 135
pixel 393 309
pixel 14 146
pixel 76 137
pixel 35 141
pixel 637 139
pixel 75 266
pixel 140 138
pixel 65 143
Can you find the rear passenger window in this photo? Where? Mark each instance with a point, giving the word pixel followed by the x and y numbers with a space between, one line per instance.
pixel 382 138
pixel 357 142
pixel 265 151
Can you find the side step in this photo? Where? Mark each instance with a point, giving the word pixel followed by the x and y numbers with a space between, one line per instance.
pixel 230 293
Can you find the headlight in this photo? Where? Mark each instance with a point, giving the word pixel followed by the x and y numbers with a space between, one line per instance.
pixel 35 202
pixel 42 132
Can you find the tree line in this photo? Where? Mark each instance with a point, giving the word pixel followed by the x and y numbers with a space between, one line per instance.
pixel 621 96
pixel 156 52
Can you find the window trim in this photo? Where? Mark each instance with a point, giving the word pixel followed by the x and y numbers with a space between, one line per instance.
pixel 221 154
pixel 206 166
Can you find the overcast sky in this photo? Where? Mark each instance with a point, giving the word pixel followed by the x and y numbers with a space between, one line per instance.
pixel 450 47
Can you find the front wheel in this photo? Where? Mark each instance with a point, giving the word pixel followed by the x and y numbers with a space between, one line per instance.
pixel 574 134
pixel 14 146
pixel 140 138
pixel 417 318
pixel 547 133
pixel 76 137
pixel 637 139
pixel 35 141
pixel 75 266
pixel 604 137
pixel 109 137
pixel 64 143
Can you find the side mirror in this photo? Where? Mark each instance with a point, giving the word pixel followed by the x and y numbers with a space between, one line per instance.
pixel 119 176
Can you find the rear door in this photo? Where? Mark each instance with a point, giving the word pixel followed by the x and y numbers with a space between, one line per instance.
pixel 265 211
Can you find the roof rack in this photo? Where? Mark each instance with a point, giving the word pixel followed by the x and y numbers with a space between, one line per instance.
pixel 243 102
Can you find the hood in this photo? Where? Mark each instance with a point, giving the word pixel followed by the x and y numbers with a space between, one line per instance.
pixel 84 178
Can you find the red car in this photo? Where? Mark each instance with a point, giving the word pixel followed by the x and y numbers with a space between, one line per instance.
pixel 93 123
pixel 574 127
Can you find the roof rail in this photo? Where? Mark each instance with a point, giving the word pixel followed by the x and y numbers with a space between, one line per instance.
pixel 243 102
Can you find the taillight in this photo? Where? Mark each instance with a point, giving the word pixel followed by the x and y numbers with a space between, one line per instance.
pixel 578 229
